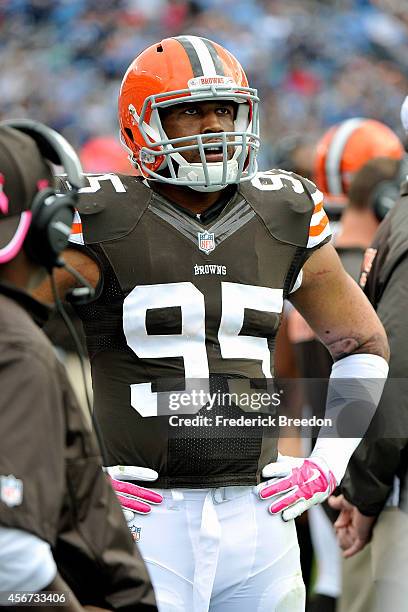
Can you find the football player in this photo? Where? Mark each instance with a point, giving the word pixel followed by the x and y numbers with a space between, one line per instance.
pixel 344 149
pixel 191 263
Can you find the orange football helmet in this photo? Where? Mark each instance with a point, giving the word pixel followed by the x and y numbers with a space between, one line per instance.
pixel 345 148
pixel 178 70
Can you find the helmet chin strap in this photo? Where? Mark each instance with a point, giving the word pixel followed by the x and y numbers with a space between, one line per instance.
pixel 194 173
pixel 209 189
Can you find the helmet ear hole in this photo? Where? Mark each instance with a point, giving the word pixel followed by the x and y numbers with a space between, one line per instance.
pixel 129 134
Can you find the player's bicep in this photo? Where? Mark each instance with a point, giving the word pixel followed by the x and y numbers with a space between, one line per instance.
pixel 336 308
pixel 82 263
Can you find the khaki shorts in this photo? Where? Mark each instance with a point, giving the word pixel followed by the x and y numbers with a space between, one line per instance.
pixel 376 580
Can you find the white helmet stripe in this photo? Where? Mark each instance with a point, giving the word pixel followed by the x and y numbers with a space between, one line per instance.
pixel 335 154
pixel 219 66
pixel 204 55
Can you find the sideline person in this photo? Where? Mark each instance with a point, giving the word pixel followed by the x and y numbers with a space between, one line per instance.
pixel 61 528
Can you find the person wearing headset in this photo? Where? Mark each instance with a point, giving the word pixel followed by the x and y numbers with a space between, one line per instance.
pixel 362 204
pixel 373 519
pixel 61 527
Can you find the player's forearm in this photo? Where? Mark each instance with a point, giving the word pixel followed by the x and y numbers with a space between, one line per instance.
pixel 375 344
pixel 355 388
pixel 337 310
pixel 348 325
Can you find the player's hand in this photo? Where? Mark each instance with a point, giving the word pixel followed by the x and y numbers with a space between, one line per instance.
pixel 353 529
pixel 133 499
pixel 344 524
pixel 295 485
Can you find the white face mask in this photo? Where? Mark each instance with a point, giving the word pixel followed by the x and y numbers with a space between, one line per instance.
pixel 204 176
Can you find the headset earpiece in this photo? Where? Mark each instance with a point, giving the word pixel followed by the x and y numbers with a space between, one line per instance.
pixel 387 192
pixel 52 213
pixel 385 196
pixel 50 227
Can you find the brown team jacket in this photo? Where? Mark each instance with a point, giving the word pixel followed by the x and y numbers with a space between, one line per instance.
pixel 383 454
pixel 51 480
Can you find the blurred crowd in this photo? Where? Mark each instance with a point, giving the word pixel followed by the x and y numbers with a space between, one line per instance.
pixel 314 62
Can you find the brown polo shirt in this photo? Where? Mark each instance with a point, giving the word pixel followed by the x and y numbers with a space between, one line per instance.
pixel 51 479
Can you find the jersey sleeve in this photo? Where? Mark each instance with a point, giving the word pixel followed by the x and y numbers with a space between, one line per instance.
pixel 26 561
pixel 32 445
pixel 291 208
pixel 107 208
pixel 319 232
pixel 319 226
pixel 76 236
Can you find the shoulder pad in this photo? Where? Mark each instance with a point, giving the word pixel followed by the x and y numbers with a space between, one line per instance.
pixel 290 206
pixel 108 208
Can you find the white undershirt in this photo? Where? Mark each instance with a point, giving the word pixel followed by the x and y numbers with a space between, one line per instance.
pixel 26 561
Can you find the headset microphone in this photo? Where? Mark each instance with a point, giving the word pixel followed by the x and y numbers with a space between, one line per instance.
pixel 78 347
pixel 79 295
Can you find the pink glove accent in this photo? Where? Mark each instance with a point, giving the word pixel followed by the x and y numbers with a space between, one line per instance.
pixel 307 483
pixel 132 494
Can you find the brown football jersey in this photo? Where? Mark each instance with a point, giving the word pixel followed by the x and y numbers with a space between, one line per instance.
pixel 187 305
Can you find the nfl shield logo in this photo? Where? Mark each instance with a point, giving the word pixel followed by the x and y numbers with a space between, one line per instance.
pixel 136 533
pixel 11 490
pixel 206 242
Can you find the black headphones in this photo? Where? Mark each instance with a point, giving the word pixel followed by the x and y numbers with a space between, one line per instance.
pixel 387 192
pixel 284 149
pixel 52 213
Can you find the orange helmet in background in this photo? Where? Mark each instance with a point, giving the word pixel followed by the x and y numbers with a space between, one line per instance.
pixel 104 154
pixel 179 70
pixel 345 148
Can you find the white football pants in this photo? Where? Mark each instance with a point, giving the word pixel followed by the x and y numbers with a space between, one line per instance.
pixel 220 550
pixel 327 553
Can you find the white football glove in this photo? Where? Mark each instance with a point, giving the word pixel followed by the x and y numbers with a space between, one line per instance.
pixel 296 484
pixel 133 499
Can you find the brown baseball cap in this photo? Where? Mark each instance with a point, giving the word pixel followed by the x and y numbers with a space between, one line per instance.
pixel 23 173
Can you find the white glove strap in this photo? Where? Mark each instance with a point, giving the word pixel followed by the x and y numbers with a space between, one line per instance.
pixel 131 472
pixel 366 375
